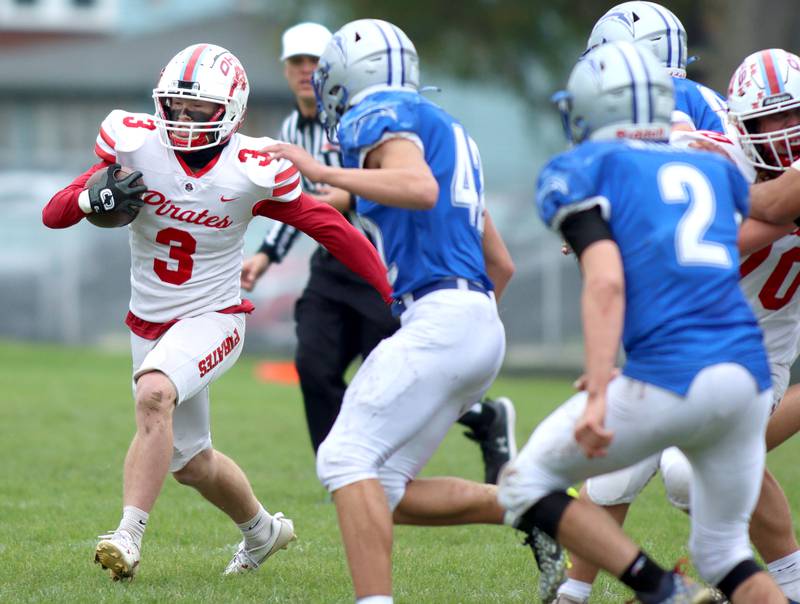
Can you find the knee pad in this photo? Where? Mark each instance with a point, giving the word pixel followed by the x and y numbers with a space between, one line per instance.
pixel 183 453
pixel 716 554
pixel 621 486
pixel 676 472
pixel 394 485
pixel 520 488
pixel 340 464
pixel 194 469
pixel 545 514
pixel 738 575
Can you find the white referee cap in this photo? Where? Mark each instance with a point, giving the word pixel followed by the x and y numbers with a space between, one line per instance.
pixel 305 39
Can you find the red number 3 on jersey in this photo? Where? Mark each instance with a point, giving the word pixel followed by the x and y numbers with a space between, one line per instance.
pixel 264 158
pixel 181 247
pixel 134 123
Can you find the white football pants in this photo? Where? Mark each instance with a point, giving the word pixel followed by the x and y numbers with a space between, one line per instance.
pixel 719 425
pixel 623 486
pixel 411 389
pixel 192 353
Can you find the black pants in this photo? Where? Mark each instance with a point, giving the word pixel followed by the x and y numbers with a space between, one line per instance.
pixel 335 323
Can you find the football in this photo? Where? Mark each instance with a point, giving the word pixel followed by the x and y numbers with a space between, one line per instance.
pixel 110 220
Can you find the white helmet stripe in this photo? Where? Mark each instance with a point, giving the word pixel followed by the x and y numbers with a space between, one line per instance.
pixel 394 48
pixel 642 95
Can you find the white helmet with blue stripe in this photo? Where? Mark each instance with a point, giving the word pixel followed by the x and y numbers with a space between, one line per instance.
pixel 648 23
pixel 202 72
pixel 364 56
pixel 617 90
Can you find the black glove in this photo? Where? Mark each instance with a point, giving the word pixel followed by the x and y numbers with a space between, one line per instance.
pixel 111 195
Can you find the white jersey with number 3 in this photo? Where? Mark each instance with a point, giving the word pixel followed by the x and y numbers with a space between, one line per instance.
pixel 770 276
pixel 187 242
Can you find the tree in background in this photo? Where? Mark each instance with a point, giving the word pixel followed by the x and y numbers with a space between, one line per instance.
pixel 523 43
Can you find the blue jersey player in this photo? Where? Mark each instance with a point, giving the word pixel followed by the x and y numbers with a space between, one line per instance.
pixel 697 107
pixel 655 232
pixel 417 176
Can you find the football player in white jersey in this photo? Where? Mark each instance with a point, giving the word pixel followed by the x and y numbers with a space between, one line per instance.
pixel 765 279
pixel 204 182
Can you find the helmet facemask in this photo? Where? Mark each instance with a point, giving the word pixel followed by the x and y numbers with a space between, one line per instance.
pixel 332 102
pixel 774 149
pixel 201 131
pixel 575 127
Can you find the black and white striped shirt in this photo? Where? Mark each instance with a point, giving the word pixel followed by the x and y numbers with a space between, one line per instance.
pixel 309 134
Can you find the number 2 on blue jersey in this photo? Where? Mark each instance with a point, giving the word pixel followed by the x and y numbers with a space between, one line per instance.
pixel 464 190
pixel 683 183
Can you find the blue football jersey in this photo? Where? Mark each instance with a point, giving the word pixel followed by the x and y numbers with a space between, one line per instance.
pixel 672 214
pixel 706 108
pixel 420 247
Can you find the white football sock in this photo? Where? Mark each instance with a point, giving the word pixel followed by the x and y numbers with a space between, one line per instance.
pixel 257 530
pixel 577 590
pixel 134 521
pixel 786 573
pixel 375 600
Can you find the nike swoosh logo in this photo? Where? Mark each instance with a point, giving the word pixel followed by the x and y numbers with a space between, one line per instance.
pixel 142 523
pixel 224 199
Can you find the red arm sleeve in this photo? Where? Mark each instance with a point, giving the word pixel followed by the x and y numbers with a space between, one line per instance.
pixel 331 229
pixel 62 210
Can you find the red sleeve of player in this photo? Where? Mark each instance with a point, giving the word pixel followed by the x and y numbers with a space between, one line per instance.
pixel 331 229
pixel 62 210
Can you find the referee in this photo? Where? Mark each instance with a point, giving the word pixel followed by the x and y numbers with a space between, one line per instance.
pixel 339 316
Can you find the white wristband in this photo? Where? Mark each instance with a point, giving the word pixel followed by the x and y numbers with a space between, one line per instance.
pixel 796 165
pixel 83 202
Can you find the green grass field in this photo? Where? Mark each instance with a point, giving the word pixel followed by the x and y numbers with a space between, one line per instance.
pixel 66 419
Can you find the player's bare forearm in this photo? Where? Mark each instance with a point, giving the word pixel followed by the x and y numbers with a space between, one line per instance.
pixel 755 234
pixel 778 200
pixel 603 309
pixel 499 265
pixel 396 187
pixel 395 174
pixel 338 199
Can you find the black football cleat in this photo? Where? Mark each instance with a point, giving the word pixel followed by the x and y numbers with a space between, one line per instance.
pixel 496 438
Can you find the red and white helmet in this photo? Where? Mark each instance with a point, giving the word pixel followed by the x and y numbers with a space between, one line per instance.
pixel 202 72
pixel 766 83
